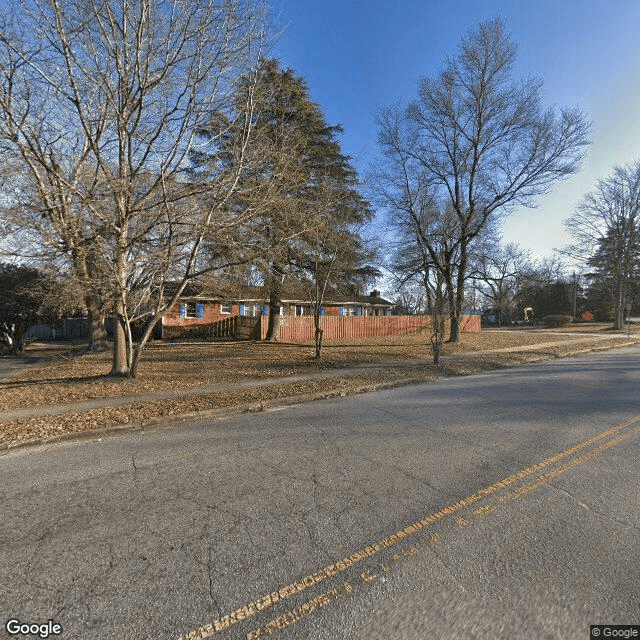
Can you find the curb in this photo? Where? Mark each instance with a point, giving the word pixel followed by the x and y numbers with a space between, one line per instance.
pixel 209 414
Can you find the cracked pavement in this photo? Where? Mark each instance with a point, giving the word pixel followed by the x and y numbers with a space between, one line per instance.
pixel 157 534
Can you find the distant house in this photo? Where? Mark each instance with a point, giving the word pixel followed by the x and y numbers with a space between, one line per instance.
pixel 201 307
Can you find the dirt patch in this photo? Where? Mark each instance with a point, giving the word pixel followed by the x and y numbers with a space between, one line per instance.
pixel 61 378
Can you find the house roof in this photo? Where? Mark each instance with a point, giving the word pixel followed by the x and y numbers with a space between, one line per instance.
pixel 290 295
pixel 302 296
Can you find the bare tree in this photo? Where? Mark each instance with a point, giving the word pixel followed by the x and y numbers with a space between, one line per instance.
pixel 499 270
pixel 44 220
pixel 544 289
pixel 425 252
pixel 125 86
pixel 606 232
pixel 476 143
pixel 411 298
pixel 338 260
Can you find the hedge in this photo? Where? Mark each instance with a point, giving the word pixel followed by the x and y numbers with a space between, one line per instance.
pixel 557 321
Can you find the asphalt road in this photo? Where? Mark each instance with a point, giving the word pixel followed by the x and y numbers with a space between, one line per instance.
pixel 502 505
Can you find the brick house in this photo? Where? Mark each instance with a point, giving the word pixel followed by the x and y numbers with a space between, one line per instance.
pixel 199 307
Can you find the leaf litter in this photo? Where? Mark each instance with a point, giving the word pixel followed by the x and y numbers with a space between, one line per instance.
pixel 74 377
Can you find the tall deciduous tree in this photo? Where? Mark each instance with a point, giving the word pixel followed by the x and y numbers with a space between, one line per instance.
pixel 475 144
pixel 423 251
pixel 124 86
pixel 606 233
pixel 45 221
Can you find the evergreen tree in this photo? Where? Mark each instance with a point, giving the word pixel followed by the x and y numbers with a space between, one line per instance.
pixel 28 297
pixel 301 188
pixel 614 280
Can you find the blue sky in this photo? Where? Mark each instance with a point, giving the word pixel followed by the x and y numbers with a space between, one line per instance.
pixel 359 55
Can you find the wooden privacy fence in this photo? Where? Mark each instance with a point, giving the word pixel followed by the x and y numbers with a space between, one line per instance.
pixel 300 328
pixel 294 329
pixel 231 328
pixel 63 329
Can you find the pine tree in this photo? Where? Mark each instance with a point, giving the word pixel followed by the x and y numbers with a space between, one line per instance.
pixel 299 184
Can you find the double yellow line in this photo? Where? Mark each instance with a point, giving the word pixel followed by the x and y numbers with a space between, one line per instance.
pixel 592 447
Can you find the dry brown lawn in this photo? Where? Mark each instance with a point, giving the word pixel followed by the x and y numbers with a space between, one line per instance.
pixel 65 375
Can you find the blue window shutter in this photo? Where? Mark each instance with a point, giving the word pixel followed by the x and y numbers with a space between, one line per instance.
pixel 183 309
pixel 242 308
pixel 265 310
pixel 200 309
pixel 343 311
pixel 321 311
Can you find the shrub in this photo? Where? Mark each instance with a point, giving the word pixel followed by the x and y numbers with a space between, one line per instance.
pixel 194 332
pixel 557 321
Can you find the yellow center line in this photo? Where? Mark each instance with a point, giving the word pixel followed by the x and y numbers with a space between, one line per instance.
pixel 543 479
pixel 251 609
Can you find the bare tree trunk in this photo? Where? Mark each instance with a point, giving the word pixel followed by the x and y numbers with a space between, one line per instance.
pixel 457 299
pixel 120 361
pixel 438 317
pixel 17 345
pixel 619 319
pixel 121 344
pixel 454 331
pixel 318 334
pixel 97 342
pixel 273 321
pixel 97 332
pixel 128 340
pixel 275 301
pixel 146 335
pixel 454 314
pixel 120 366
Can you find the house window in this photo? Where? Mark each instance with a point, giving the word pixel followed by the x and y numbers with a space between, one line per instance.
pixel 225 308
pixel 192 310
pixel 251 310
